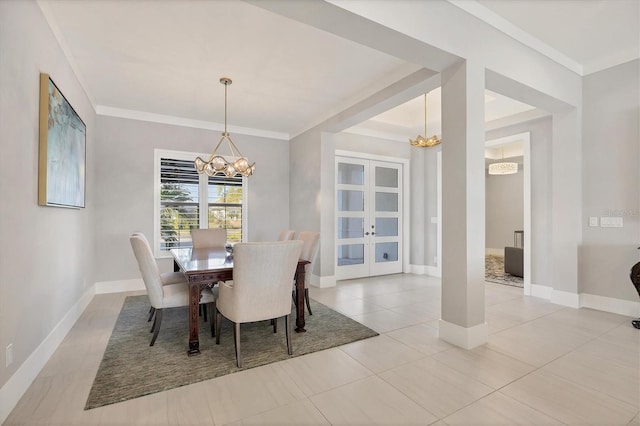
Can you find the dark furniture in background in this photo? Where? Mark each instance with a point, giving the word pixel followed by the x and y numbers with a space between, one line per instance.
pixel 514 256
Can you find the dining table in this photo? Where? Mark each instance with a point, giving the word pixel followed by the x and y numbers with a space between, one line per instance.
pixel 204 267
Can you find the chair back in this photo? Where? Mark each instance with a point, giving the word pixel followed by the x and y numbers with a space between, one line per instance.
pixel 286 235
pixel 205 238
pixel 148 268
pixel 310 248
pixel 262 276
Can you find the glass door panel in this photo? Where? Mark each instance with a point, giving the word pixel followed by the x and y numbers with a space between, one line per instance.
pixel 368 217
pixel 350 201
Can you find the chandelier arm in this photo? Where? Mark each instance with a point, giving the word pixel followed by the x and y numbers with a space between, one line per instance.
pixel 215 150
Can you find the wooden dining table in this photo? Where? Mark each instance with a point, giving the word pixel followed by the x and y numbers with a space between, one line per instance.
pixel 204 267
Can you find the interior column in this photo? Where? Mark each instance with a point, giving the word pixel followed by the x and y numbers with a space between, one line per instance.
pixel 463 211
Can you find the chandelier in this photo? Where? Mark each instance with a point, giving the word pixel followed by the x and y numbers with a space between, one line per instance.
pixel 423 141
pixel 217 165
pixel 503 167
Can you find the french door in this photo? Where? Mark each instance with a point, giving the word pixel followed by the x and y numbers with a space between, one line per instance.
pixel 368 218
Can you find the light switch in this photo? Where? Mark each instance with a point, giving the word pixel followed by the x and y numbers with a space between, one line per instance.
pixel 611 222
pixel 593 221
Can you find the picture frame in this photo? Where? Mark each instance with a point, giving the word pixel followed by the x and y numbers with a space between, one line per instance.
pixel 62 150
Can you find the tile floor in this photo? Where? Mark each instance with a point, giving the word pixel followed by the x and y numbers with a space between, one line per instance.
pixel 543 365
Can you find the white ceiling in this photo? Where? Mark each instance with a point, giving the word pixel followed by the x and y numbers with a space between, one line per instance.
pixel 164 59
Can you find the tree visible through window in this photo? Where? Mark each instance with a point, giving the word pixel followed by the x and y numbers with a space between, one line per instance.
pixel 184 194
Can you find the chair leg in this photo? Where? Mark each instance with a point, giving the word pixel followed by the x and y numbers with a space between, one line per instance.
pixel 204 313
pixel 157 326
pixel 306 299
pixel 153 326
pixel 218 323
pixel 274 322
pixel 152 311
pixel 287 328
pixel 212 314
pixel 236 340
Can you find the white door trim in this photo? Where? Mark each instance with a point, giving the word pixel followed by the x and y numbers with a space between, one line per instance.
pixel 406 188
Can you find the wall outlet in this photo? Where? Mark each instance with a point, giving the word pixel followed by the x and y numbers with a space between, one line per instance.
pixel 611 222
pixel 9 355
pixel 593 221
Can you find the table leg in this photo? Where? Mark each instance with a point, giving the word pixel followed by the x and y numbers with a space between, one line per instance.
pixel 300 299
pixel 194 304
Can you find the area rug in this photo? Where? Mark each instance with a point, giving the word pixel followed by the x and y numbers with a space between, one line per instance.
pixel 494 272
pixel 130 368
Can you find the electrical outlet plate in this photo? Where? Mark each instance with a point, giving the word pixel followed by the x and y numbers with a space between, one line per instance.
pixel 611 222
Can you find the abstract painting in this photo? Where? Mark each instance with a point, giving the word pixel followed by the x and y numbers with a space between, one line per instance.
pixel 61 180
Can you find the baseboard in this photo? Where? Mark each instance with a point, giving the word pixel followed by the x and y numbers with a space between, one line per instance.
pixel 541 291
pixel 565 298
pixel 464 337
pixel 609 304
pixel 120 286
pixel 323 282
pixel 20 381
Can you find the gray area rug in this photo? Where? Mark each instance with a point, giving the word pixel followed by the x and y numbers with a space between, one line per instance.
pixel 130 368
pixel 494 272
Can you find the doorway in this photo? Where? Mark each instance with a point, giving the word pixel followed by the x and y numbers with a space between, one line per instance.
pixel 369 217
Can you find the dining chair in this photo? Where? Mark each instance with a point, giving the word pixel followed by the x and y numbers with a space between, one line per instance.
pixel 162 296
pixel 212 237
pixel 310 248
pixel 166 278
pixel 286 234
pixel 261 287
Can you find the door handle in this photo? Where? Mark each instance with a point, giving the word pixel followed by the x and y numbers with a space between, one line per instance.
pixel 366 233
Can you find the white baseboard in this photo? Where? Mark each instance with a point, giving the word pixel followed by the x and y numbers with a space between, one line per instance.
pixel 541 291
pixel 464 337
pixel 565 298
pixel 323 282
pixel 609 304
pixel 432 271
pixel 20 381
pixel 119 286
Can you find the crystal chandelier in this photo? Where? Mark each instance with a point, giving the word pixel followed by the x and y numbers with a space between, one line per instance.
pixel 503 168
pixel 217 165
pixel 423 141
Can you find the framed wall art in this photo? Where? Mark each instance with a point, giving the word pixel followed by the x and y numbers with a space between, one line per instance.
pixel 62 157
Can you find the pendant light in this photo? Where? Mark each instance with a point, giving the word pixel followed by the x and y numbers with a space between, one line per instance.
pixel 423 141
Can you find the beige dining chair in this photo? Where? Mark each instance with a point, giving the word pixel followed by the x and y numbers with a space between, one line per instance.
pixel 167 278
pixel 286 234
pixel 162 296
pixel 310 248
pixel 212 237
pixel 261 287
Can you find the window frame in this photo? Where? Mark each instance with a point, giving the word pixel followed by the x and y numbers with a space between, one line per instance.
pixel 203 206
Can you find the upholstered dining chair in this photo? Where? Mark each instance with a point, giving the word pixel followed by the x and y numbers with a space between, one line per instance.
pixel 286 235
pixel 310 246
pixel 161 296
pixel 261 287
pixel 212 237
pixel 167 278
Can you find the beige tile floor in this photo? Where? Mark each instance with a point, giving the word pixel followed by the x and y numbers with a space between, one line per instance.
pixel 543 365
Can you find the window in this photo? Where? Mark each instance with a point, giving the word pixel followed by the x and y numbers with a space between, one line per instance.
pixel 182 195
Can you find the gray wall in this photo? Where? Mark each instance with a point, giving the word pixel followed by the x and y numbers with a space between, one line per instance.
pixel 504 208
pixel 611 180
pixel 124 186
pixel 47 255
pixel 540 160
